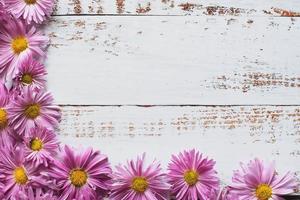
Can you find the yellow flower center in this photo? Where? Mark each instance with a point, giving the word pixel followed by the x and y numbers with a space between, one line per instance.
pixel 78 177
pixel 191 177
pixel 139 184
pixel 263 192
pixel 20 175
pixel 27 79
pixel 36 144
pixel 3 118
pixel 32 111
pixel 19 44
pixel 30 2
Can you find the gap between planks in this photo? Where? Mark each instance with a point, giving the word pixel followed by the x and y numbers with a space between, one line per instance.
pixel 175 105
pixel 157 15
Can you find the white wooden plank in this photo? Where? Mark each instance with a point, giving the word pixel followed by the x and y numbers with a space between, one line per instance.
pixel 174 60
pixel 179 7
pixel 228 134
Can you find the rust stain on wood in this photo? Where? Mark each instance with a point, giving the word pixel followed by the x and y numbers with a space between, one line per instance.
pixel 221 10
pixel 169 2
pixel 251 80
pixel 215 10
pixel 265 123
pixel 77 36
pixel 188 6
pixel 286 13
pixel 96 4
pixel 77 6
pixel 80 23
pixel 100 26
pixel 120 6
pixel 143 9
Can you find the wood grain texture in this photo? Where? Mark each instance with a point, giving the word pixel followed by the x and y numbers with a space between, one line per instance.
pixel 179 7
pixel 226 133
pixel 239 55
pixel 174 60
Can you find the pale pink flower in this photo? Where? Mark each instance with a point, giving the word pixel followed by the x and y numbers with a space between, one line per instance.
pixel 83 176
pixel 18 42
pixel 137 181
pixel 259 181
pixel 30 73
pixel 192 176
pixel 41 146
pixel 30 10
pixel 33 108
pixel 17 174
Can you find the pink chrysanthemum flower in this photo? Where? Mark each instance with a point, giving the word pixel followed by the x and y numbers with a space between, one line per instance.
pixel 19 174
pixel 5 130
pixel 31 73
pixel 4 15
pixel 82 176
pixel 41 146
pixel 31 109
pixel 18 42
pixel 259 181
pixel 192 176
pixel 223 194
pixel 134 181
pixel 37 194
pixel 30 10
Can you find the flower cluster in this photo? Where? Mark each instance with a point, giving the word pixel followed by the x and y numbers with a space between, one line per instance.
pixel 34 166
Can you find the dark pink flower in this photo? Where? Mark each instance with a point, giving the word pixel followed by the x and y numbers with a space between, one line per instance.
pixel 5 131
pixel 192 176
pixel 82 176
pixel 18 42
pixel 37 194
pixel 30 73
pixel 30 10
pixel 31 109
pixel 135 181
pixel 3 15
pixel 41 146
pixel 259 181
pixel 19 175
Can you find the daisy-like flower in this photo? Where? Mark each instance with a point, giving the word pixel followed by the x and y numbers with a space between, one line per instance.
pixel 18 42
pixel 37 194
pixel 192 176
pixel 82 176
pixel 30 10
pixel 31 109
pixel 41 146
pixel 5 130
pixel 4 15
pixel 19 174
pixel 31 73
pixel 223 194
pixel 135 181
pixel 259 181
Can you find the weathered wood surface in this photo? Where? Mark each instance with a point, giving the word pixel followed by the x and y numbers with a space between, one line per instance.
pixel 180 7
pixel 174 60
pixel 243 55
pixel 226 133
